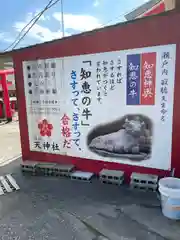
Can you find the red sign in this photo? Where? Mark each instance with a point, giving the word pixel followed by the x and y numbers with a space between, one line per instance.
pixel 158 8
pixel 148 78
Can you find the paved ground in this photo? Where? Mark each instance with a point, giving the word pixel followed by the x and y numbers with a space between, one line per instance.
pixel 10 142
pixel 56 208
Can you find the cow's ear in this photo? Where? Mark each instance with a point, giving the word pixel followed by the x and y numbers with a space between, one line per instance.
pixel 142 123
pixel 126 120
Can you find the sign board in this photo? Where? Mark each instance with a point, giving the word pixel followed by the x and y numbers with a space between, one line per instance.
pixel 158 8
pixel 111 106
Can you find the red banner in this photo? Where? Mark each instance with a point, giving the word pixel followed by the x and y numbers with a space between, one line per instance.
pixel 148 78
pixel 159 8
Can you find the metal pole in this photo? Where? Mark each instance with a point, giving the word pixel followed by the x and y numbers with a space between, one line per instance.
pixel 62 25
pixel 62 18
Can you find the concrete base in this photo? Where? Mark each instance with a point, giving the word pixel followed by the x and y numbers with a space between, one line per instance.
pixel 115 182
pixel 82 176
pixel 111 176
pixel 144 187
pixel 47 169
pixel 144 181
pixel 148 178
pixel 29 166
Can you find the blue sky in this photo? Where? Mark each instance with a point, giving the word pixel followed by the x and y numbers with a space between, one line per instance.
pixel 79 16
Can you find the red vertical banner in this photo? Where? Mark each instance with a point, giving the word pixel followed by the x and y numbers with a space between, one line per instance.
pixel 6 97
pixel 148 78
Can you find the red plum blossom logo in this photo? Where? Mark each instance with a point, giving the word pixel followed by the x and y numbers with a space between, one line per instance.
pixel 45 128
